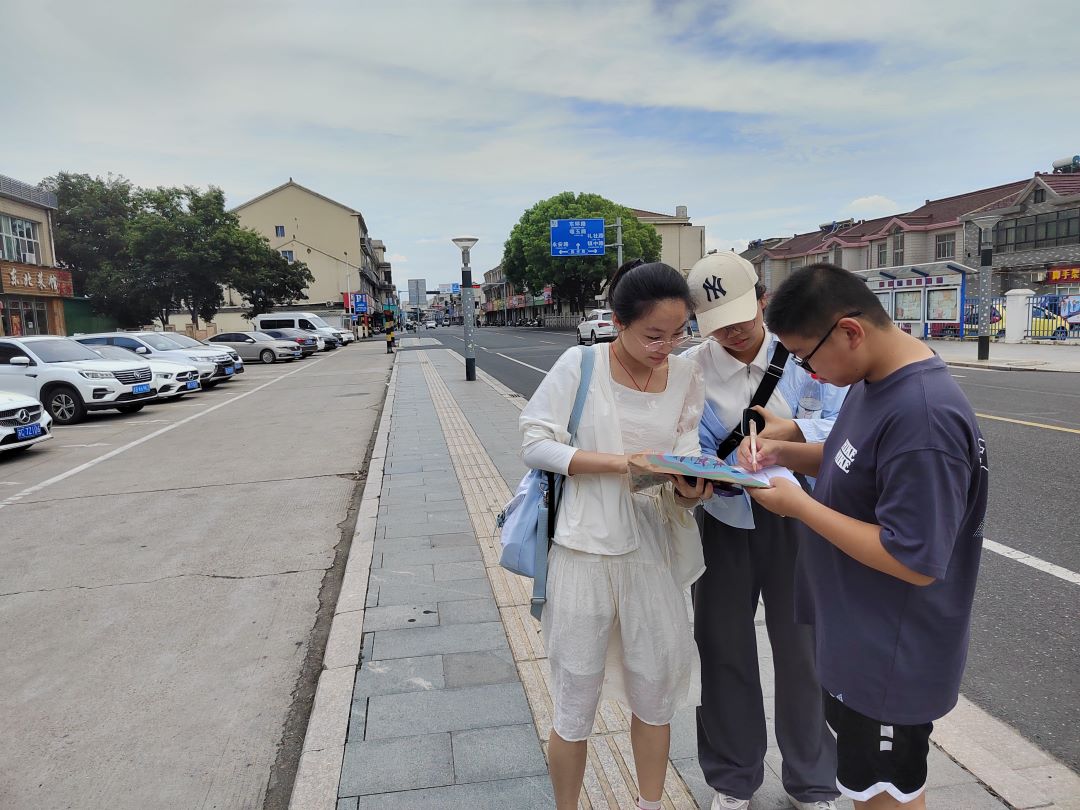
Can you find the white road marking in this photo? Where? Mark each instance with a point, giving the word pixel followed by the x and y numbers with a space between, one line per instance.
pixel 959 376
pixel 512 360
pixel 56 479
pixel 1034 562
pixel 95 444
pixel 10 484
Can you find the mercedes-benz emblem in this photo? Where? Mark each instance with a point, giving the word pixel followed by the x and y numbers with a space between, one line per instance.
pixel 22 416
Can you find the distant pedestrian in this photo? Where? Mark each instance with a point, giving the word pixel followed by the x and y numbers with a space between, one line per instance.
pixel 615 615
pixel 887 570
pixel 750 555
pixel 390 338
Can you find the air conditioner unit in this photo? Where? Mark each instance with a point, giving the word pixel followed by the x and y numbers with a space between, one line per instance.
pixel 332 303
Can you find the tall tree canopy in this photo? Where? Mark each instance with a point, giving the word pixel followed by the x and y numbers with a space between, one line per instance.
pixel 527 259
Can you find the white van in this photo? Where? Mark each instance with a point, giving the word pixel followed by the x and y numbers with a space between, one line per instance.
pixel 308 321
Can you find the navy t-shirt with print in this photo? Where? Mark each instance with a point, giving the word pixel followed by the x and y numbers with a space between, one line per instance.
pixel 905 454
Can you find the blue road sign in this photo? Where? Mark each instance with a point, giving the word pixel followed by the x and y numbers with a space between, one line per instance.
pixel 577 237
pixel 359 303
pixel 455 288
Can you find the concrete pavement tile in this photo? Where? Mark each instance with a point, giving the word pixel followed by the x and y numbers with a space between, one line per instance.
pixel 404 763
pixel 962 797
pixel 502 752
pixel 385 677
pixel 400 617
pixel 372 596
pixel 403 544
pixel 353 593
pixel 470 611
pixel 357 719
pixel 347 804
pixel 690 772
pixel 402 465
pixel 439 640
pixel 684 733
pixel 449 494
pixel 457 590
pixel 942 771
pixel 445 540
pixel 330 711
pixel 472 569
pixel 392 559
pixel 528 793
pixel 439 525
pixel 402 574
pixel 365 651
pixel 446 710
pixel 479 668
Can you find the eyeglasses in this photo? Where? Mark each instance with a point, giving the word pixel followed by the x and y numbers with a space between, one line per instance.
pixel 804 362
pixel 657 345
pixel 737 328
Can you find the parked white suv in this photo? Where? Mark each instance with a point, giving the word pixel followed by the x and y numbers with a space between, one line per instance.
pixel 599 324
pixel 215 365
pixel 170 379
pixel 23 422
pixel 69 379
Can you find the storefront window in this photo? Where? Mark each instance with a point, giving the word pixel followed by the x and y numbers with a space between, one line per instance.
pixel 24 317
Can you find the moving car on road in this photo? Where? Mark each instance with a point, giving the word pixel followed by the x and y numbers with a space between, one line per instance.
pixel 597 325
pixel 69 379
pixel 257 346
pixel 170 379
pixel 23 422
pixel 429 324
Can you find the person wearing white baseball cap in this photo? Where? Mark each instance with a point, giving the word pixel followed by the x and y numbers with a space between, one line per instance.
pixel 750 553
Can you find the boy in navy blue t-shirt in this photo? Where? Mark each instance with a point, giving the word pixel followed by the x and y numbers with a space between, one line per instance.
pixel 887 572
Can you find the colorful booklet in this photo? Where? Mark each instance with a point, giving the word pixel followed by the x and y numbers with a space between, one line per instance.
pixel 650 469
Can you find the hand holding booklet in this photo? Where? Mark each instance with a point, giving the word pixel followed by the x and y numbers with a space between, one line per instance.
pixel 649 469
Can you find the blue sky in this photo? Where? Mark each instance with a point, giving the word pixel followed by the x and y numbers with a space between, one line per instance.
pixel 442 117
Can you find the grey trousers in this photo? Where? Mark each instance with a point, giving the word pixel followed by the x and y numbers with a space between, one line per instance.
pixel 742 565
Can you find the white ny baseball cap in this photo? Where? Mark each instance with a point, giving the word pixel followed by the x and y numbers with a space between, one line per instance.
pixel 722 286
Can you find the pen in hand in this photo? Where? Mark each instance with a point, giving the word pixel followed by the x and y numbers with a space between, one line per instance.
pixel 753 446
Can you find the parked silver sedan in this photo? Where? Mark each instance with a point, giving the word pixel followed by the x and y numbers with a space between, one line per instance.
pixel 257 346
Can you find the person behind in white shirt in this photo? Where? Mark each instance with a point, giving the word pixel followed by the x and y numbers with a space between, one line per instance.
pixel 750 554
pixel 615 618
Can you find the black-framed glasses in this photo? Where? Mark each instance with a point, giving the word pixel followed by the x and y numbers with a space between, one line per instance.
pixel 804 362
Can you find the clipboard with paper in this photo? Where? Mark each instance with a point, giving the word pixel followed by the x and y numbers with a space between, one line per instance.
pixel 650 469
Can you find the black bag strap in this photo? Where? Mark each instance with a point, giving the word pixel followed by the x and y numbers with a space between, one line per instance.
pixel 761 397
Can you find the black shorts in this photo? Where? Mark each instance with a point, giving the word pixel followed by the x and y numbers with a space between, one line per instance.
pixel 874 757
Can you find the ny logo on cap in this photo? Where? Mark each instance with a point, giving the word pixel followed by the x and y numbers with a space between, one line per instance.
pixel 713 289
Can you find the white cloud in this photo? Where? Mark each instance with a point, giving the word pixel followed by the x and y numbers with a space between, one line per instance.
pixel 765 118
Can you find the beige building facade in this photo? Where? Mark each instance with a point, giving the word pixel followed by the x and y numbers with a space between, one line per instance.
pixel 331 238
pixel 683 243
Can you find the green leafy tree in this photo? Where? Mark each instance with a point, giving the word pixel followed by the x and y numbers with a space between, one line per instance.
pixel 91 220
pixel 527 259
pixel 263 277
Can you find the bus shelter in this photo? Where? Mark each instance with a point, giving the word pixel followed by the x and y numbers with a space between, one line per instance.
pixel 926 300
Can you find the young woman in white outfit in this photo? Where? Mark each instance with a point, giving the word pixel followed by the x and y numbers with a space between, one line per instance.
pixel 615 616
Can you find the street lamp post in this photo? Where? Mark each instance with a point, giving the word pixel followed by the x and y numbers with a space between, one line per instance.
pixel 985 225
pixel 466 243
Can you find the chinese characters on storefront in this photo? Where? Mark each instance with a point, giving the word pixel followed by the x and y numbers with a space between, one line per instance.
pixel 22 280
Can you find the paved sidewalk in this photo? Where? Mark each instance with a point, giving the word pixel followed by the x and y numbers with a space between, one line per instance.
pixel 1044 355
pixel 440 697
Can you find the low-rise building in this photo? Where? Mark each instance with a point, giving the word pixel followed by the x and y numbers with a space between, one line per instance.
pixel 682 242
pixel 33 288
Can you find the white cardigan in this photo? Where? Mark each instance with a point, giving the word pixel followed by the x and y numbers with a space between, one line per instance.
pixel 596 514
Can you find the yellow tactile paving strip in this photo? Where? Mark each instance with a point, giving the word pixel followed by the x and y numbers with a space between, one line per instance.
pixel 609 775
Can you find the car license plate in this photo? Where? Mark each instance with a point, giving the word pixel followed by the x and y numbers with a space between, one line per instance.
pixel 229 369
pixel 27 431
pixel 141 388
pixel 192 384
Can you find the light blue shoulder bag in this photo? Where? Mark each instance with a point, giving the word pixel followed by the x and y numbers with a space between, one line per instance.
pixel 528 521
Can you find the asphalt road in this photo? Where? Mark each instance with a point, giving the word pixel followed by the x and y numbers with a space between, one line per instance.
pixel 1024 660
pixel 166 577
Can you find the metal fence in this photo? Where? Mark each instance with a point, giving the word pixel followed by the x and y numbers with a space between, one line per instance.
pixel 1045 318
